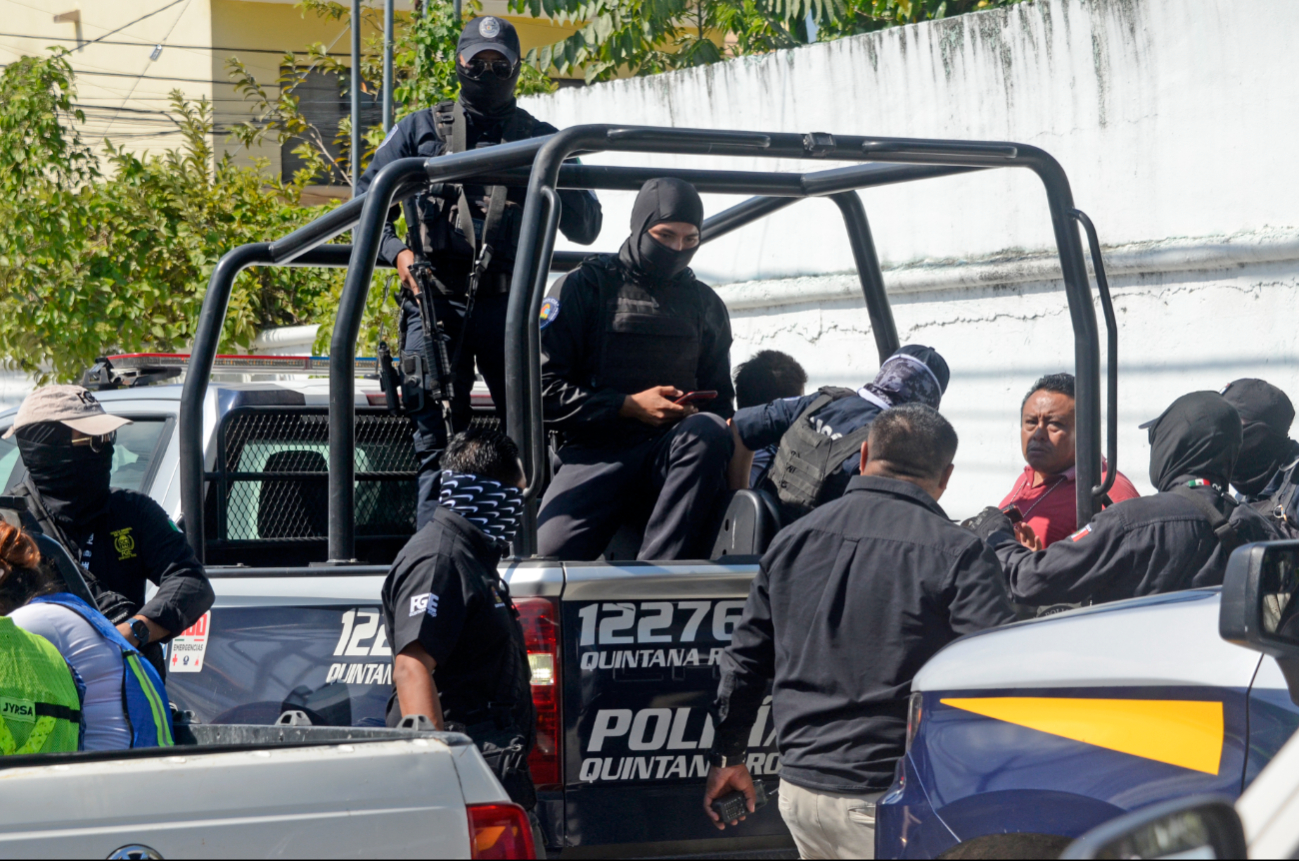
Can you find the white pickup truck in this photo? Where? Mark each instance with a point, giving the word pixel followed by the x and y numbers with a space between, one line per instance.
pixel 263 792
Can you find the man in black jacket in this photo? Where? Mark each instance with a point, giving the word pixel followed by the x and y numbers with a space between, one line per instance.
pixel 459 654
pixel 1179 538
pixel 465 231
pixel 622 338
pixel 121 538
pixel 848 604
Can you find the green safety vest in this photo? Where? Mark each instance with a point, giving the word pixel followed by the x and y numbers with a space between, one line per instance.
pixel 40 708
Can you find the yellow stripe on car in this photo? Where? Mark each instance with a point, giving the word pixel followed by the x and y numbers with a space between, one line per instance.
pixel 1185 733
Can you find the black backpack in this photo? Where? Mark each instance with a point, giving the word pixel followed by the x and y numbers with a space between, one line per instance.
pixel 805 472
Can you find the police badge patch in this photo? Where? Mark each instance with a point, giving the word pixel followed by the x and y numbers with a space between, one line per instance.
pixel 490 28
pixel 549 311
pixel 124 544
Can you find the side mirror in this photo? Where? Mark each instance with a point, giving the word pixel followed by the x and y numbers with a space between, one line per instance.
pixel 1260 604
pixel 1259 607
pixel 1196 827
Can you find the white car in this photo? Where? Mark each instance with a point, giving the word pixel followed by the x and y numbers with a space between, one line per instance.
pixel 263 792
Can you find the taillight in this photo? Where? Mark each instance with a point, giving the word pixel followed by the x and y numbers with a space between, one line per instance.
pixel 540 620
pixel 500 831
pixel 915 713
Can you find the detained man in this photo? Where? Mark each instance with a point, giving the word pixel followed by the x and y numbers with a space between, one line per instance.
pixel 1046 492
pixel 1180 538
pixel 847 606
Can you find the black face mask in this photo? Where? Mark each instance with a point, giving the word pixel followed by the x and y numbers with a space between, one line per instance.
pixel 489 97
pixel 660 201
pixel 1263 453
pixel 1199 436
pixel 73 480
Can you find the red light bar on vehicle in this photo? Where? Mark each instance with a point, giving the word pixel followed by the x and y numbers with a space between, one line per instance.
pixel 366 366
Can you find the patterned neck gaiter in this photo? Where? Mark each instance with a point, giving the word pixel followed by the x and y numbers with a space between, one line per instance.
pixel 493 507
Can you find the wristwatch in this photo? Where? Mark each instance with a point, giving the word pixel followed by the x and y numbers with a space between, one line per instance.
pixel 141 632
pixel 717 759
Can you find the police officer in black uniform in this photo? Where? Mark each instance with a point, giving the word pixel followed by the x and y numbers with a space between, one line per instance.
pixel 622 338
pixel 467 234
pixel 459 654
pixel 121 538
pixel 819 436
pixel 1179 538
pixel 1267 471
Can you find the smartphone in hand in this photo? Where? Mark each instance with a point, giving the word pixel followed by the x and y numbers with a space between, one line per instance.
pixel 696 397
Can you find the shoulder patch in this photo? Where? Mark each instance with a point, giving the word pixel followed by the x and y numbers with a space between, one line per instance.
pixel 1081 533
pixel 549 311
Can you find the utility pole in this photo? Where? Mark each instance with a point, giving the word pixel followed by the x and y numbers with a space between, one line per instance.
pixel 356 93
pixel 457 8
pixel 387 65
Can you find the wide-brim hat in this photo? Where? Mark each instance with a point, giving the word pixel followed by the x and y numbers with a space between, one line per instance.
pixel 73 406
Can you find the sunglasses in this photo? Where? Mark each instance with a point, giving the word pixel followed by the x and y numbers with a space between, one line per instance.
pixel 476 68
pixel 97 443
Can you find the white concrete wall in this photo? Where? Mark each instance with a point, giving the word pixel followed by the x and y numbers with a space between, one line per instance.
pixel 1174 121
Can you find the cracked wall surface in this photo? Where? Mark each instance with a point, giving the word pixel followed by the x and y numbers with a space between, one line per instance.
pixel 1173 122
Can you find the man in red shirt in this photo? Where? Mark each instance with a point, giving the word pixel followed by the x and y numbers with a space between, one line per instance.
pixel 1046 492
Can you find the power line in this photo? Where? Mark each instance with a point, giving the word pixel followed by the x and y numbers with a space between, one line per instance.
pixel 150 44
pixel 136 21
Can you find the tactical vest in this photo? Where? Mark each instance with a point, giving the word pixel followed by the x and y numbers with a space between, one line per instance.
pixel 458 222
pixel 648 337
pixel 147 708
pixel 40 707
pixel 806 470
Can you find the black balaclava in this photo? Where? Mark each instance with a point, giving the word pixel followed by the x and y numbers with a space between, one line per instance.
pixel 660 200
pixel 1265 415
pixel 1199 436
pixel 493 507
pixel 72 479
pixel 489 98
pixel 913 375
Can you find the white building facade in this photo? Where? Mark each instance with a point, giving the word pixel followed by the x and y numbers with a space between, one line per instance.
pixel 1174 122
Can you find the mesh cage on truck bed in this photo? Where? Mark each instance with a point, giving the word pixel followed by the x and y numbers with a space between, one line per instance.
pixel 267 496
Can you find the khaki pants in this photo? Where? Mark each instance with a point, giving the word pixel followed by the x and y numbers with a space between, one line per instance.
pixel 829 824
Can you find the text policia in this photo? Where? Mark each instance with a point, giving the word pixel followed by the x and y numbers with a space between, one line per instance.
pixel 649 670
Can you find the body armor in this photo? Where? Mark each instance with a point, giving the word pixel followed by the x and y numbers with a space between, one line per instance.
pixel 806 470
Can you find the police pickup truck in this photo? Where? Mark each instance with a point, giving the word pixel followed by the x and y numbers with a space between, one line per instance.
pixel 637 645
pixel 296 497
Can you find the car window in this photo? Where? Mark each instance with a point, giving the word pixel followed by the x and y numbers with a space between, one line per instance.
pixel 133 455
pixel 134 452
pixel 8 459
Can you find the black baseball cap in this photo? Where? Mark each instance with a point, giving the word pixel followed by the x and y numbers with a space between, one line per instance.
pixel 489 33
pixel 1260 401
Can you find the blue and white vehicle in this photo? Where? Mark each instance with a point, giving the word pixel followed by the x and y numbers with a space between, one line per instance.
pixel 1025 737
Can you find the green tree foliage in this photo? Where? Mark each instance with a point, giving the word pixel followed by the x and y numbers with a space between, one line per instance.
pixel 91 265
pixel 644 37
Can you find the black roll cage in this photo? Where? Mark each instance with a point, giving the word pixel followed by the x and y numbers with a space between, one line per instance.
pixel 539 164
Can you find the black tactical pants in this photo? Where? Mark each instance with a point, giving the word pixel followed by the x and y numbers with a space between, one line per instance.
pixel 680 476
pixel 485 348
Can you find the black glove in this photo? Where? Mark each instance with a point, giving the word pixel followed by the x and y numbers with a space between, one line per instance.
pixel 988 522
